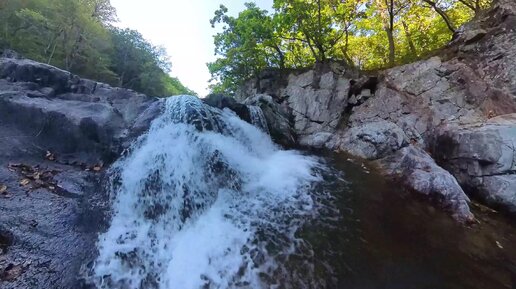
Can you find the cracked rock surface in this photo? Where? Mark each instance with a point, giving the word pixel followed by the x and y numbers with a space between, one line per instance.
pixel 67 128
pixel 483 158
pixel 457 108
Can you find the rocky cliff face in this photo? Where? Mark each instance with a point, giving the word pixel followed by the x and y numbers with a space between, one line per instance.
pixel 454 111
pixel 57 133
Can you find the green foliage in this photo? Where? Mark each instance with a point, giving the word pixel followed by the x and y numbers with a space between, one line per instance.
pixel 368 34
pixel 77 35
pixel 141 66
pixel 248 44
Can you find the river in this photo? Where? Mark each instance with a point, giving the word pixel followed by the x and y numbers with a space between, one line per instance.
pixel 207 200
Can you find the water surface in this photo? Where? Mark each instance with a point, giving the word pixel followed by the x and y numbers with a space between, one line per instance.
pixel 385 237
pixel 206 200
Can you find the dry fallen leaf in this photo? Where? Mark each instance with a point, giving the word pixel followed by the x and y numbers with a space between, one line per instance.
pixel 24 182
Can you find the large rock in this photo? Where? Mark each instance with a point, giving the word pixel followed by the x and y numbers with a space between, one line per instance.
pixel 483 158
pixel 69 114
pixel 452 97
pixel 278 119
pixel 386 144
pixel 312 100
pixel 67 129
pixel 416 169
pixel 221 101
pixel 371 140
pixel 316 102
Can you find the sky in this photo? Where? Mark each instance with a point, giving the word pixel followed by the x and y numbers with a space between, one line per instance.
pixel 183 28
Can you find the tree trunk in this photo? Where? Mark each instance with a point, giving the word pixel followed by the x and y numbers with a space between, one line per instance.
pixel 281 57
pixel 387 14
pixel 319 38
pixel 309 42
pixel 392 48
pixel 322 53
pixel 345 50
pixel 443 15
pixel 411 45
pixel 471 6
pixel 52 53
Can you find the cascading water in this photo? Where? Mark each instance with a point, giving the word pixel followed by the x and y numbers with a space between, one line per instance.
pixel 257 118
pixel 205 200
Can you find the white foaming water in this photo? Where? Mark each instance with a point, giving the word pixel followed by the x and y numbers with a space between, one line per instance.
pixel 199 203
pixel 257 118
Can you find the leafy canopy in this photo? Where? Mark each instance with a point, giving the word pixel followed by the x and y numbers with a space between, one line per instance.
pixel 78 35
pixel 367 34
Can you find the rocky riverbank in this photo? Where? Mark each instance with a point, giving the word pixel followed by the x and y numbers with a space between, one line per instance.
pixel 58 133
pixel 445 126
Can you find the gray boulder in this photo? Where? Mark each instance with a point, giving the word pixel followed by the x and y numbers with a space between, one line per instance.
pixel 65 130
pixel 317 102
pixel 371 141
pixel 221 101
pixel 277 117
pixel 417 171
pixel 67 114
pixel 387 145
pixel 483 158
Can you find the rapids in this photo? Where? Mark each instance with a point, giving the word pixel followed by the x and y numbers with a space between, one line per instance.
pixel 204 200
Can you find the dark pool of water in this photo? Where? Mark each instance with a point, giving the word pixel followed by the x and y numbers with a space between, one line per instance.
pixel 387 238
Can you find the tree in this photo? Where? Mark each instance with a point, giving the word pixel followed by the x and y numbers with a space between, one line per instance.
pixel 441 13
pixel 142 66
pixel 368 34
pixel 78 35
pixel 475 5
pixel 312 23
pixel 247 44
pixel 347 14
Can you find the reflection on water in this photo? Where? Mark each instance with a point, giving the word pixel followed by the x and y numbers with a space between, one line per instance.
pixel 385 238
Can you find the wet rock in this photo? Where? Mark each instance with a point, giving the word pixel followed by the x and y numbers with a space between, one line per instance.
pixel 8 53
pixel 498 191
pixel 451 98
pixel 54 122
pixel 386 144
pixel 6 240
pixel 371 141
pixel 220 101
pixel 142 122
pixel 40 100
pixel 313 101
pixel 277 117
pixel 482 157
pixel 416 169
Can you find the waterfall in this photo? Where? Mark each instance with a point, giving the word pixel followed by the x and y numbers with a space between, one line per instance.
pixel 257 118
pixel 204 200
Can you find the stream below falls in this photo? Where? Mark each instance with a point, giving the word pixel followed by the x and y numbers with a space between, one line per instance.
pixel 206 200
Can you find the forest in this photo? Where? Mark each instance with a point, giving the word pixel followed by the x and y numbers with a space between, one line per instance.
pixel 365 34
pixel 81 36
